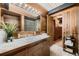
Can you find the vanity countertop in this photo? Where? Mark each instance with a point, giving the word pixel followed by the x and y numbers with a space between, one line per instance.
pixel 16 43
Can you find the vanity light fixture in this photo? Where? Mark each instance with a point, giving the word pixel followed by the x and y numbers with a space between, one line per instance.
pixel 28 8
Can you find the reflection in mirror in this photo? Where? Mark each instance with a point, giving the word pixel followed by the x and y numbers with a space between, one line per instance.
pixel 31 25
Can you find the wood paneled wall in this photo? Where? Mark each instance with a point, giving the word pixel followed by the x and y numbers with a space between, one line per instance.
pixel 70 18
pixel 22 22
pixel 43 24
pixel 77 15
pixel 0 14
pixel 69 22
pixel 50 25
pixel 50 29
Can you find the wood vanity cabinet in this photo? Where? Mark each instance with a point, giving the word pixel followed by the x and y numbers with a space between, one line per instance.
pixel 21 53
pixel 31 51
pixel 39 48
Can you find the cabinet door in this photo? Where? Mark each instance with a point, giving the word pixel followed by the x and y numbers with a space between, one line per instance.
pixel 45 49
pixel 36 50
pixel 22 52
pixel 42 49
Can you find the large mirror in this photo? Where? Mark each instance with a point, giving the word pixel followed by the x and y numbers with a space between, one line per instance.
pixel 31 24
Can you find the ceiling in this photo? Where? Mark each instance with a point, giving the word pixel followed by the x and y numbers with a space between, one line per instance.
pixel 37 9
pixel 50 6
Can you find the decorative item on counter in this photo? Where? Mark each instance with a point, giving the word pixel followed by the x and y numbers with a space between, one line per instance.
pixel 9 28
pixel 3 36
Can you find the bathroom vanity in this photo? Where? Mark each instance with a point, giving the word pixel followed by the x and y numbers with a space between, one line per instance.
pixel 28 46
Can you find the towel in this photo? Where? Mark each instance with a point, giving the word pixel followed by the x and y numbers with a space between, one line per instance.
pixel 69 43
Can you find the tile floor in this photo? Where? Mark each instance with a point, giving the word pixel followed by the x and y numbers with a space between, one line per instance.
pixel 57 50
